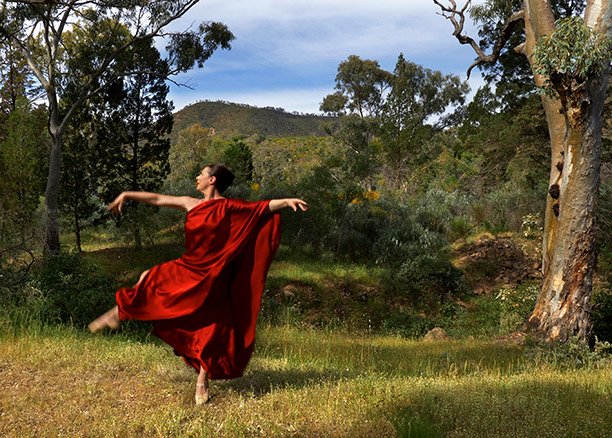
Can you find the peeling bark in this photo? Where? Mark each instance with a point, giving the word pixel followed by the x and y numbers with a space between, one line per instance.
pixel 574 123
pixel 564 305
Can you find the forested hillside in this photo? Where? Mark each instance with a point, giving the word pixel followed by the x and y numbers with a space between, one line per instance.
pixel 231 119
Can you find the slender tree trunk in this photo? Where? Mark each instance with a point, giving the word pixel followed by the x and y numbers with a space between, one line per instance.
pixel 77 227
pixel 52 241
pixel 135 163
pixel 56 131
pixel 556 129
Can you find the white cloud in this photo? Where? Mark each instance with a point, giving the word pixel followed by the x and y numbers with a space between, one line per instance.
pixel 304 41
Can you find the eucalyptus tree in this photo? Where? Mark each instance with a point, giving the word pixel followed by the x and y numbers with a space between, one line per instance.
pixel 189 154
pixel 357 104
pixel 38 29
pixel 569 59
pixel 417 96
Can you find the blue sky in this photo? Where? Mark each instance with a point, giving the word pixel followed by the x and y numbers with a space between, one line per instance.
pixel 286 53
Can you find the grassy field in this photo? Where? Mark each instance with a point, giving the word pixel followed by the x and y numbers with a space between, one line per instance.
pixel 338 380
pixel 301 382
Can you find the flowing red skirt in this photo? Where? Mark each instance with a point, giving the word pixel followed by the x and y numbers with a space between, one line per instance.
pixel 205 304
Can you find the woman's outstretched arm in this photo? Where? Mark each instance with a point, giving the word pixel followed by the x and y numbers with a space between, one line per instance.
pixel 295 203
pixel 156 199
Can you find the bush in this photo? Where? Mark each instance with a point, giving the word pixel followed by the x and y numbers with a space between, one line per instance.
pixel 416 259
pixel 481 318
pixel 406 324
pixel 67 289
pixel 516 303
pixel 505 208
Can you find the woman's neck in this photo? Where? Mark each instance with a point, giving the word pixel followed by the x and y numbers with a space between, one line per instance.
pixel 211 193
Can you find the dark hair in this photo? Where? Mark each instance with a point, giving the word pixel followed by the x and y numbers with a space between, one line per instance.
pixel 224 176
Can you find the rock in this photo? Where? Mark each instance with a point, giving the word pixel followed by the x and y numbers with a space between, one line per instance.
pixel 436 334
pixel 289 290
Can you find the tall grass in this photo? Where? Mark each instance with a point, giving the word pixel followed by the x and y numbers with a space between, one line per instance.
pixel 300 382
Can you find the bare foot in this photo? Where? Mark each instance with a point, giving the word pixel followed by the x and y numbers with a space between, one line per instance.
pixel 109 319
pixel 201 395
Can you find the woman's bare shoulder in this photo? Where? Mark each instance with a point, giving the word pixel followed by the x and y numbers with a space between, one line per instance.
pixel 190 202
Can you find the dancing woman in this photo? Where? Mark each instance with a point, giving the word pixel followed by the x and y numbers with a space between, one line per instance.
pixel 205 304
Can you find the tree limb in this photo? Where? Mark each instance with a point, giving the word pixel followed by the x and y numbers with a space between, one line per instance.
pixel 457 18
pixel 87 91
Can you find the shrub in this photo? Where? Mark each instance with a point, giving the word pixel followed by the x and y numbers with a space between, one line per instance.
pixel 516 304
pixel 416 259
pixel 68 289
pixel 407 324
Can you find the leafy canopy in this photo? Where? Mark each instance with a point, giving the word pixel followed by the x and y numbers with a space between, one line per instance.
pixel 571 53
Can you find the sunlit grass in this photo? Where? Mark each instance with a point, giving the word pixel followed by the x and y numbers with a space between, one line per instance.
pixel 319 271
pixel 300 382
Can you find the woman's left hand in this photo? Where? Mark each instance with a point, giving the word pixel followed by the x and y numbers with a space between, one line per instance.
pixel 296 203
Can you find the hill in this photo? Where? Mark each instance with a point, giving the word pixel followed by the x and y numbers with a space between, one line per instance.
pixel 231 119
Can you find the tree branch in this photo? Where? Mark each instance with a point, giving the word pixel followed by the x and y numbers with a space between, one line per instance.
pixel 87 91
pixel 457 18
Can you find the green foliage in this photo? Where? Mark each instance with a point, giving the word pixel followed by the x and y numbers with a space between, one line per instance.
pixel 190 153
pixel 575 354
pixel 511 75
pixel 481 319
pixel 601 314
pixel 407 324
pixel 360 84
pixel 516 303
pixel 15 82
pixel 413 251
pixel 80 204
pixel 572 52
pixel 416 425
pixel 195 47
pixel 66 289
pixel 107 58
pixel 134 149
pixel 22 165
pixel 532 226
pixel 417 95
pixel 238 157
pixel 357 104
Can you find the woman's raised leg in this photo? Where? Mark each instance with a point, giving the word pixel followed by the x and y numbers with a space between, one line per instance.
pixel 109 319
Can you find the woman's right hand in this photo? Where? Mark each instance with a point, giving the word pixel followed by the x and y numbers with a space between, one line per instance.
pixel 116 206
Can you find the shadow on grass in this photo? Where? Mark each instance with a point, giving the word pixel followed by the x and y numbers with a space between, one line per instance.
pixel 529 405
pixel 262 382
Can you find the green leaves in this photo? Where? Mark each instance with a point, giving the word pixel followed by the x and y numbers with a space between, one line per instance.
pixel 573 52
pixel 187 48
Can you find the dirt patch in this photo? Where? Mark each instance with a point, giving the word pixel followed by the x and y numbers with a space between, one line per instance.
pixel 492 262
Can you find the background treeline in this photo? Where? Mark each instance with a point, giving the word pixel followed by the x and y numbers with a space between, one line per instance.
pixel 233 119
pixel 399 169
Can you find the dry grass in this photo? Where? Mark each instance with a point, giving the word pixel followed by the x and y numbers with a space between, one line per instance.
pixel 301 382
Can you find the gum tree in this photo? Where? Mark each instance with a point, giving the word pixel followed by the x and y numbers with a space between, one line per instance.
pixel 569 59
pixel 38 29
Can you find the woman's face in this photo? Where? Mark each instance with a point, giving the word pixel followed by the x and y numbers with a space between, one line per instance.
pixel 203 179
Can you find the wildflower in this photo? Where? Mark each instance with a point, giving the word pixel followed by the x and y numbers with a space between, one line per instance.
pixel 371 195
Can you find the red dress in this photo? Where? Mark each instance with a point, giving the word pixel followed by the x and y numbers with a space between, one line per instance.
pixel 205 304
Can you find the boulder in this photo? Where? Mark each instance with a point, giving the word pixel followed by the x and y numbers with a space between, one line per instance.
pixel 436 334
